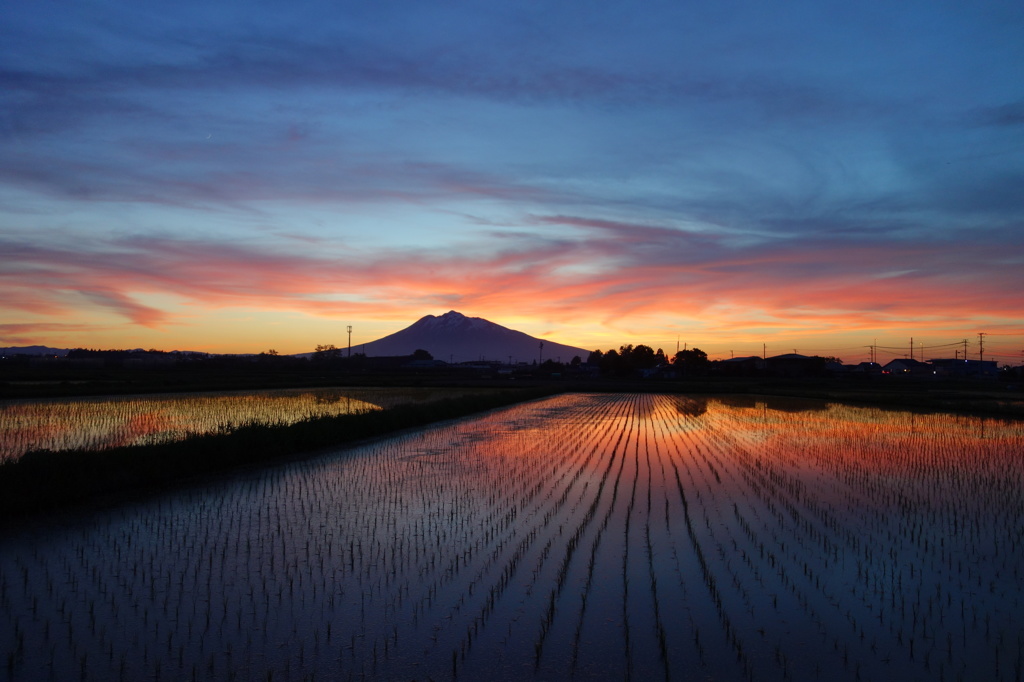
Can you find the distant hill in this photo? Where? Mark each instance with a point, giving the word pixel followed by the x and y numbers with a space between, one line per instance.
pixel 453 337
pixel 33 350
pixel 63 352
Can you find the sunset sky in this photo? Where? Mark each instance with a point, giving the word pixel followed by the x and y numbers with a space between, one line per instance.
pixel 237 176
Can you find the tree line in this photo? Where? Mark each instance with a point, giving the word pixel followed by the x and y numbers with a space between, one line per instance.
pixel 630 359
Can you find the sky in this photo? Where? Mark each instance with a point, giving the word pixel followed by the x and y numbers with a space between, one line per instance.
pixel 743 177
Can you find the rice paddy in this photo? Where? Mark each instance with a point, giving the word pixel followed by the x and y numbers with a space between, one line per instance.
pixel 576 537
pixel 107 422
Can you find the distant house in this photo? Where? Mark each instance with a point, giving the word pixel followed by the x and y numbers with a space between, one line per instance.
pixel 959 367
pixel 795 365
pixel 866 369
pixel 739 367
pixel 908 367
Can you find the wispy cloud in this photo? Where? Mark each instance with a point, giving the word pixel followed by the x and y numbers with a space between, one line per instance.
pixel 612 271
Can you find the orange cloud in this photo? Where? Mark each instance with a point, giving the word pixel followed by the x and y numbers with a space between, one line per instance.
pixel 581 274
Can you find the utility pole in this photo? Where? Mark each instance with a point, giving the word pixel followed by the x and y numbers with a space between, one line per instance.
pixel 911 347
pixel 540 355
pixel 350 340
pixel 981 346
pixel 965 350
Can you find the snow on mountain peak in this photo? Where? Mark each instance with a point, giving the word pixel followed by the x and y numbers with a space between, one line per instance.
pixel 450 319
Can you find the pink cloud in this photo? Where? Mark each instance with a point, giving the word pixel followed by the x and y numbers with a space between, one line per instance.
pixel 615 271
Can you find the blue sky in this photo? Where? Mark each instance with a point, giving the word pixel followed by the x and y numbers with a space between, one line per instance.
pixel 240 176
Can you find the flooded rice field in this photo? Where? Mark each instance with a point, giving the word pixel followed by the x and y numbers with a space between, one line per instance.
pixel 105 422
pixel 578 537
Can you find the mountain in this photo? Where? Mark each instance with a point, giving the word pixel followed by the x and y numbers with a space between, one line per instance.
pixel 453 337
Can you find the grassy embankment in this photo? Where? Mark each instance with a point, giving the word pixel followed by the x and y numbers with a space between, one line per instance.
pixel 42 481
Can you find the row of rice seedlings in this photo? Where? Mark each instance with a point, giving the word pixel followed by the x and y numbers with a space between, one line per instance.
pixel 544 523
pixel 561 505
pixel 779 496
pixel 791 549
pixel 557 526
pixel 693 490
pixel 582 605
pixel 473 620
pixel 880 578
pixel 771 574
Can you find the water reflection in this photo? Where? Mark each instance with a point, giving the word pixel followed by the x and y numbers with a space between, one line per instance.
pixel 578 537
pixel 691 407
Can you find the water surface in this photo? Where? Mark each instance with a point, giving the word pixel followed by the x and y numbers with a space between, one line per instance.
pixel 581 536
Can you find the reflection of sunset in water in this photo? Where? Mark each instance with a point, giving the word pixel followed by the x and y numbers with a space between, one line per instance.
pixel 881 441
pixel 99 423
pixel 582 536
pixel 882 458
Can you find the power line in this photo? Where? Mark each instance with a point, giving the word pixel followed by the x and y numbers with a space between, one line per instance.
pixel 826 350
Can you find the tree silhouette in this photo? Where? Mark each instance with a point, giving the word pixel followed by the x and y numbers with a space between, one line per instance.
pixel 691 361
pixel 326 352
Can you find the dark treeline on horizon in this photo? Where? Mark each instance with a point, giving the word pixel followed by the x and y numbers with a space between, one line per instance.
pixel 636 361
pixel 325 361
pixel 630 359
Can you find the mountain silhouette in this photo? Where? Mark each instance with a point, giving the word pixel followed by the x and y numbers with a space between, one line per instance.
pixel 33 350
pixel 453 337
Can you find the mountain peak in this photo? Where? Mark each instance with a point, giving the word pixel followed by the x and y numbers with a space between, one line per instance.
pixel 451 320
pixel 456 337
pixel 450 316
